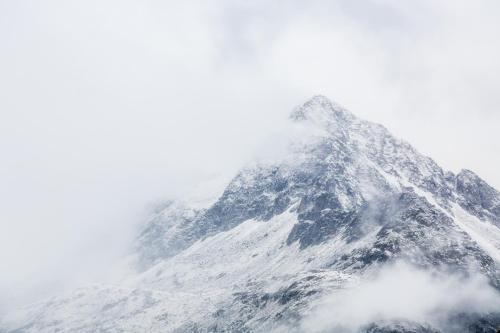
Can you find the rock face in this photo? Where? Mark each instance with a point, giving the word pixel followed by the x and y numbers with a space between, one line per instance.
pixel 344 200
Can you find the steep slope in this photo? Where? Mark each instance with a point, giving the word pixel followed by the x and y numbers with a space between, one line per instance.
pixel 344 200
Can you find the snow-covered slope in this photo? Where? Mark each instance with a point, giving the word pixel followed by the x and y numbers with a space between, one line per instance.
pixel 344 201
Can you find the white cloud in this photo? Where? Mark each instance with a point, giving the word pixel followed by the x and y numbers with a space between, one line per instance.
pixel 402 293
pixel 105 106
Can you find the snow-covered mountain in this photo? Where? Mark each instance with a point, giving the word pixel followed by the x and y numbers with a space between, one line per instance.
pixel 341 228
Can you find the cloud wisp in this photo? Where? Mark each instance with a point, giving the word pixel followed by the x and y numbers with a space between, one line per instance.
pixel 402 293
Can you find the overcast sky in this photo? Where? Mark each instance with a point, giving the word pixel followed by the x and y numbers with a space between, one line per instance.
pixel 106 106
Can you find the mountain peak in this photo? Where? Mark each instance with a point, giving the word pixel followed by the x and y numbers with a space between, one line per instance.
pixel 319 109
pixel 321 99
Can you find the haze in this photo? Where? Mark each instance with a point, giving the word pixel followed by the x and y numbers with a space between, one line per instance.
pixel 109 106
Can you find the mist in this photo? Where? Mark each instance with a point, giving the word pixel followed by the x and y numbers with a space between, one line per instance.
pixel 431 298
pixel 109 106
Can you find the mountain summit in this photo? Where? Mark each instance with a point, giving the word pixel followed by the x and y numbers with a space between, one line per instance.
pixel 317 105
pixel 306 242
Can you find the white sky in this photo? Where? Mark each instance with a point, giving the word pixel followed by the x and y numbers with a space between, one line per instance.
pixel 106 106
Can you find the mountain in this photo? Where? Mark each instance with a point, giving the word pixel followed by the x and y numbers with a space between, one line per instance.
pixel 339 227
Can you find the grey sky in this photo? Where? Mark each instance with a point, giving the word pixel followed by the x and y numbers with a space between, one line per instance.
pixel 108 105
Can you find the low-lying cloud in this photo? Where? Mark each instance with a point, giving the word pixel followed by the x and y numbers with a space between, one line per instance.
pixel 402 293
